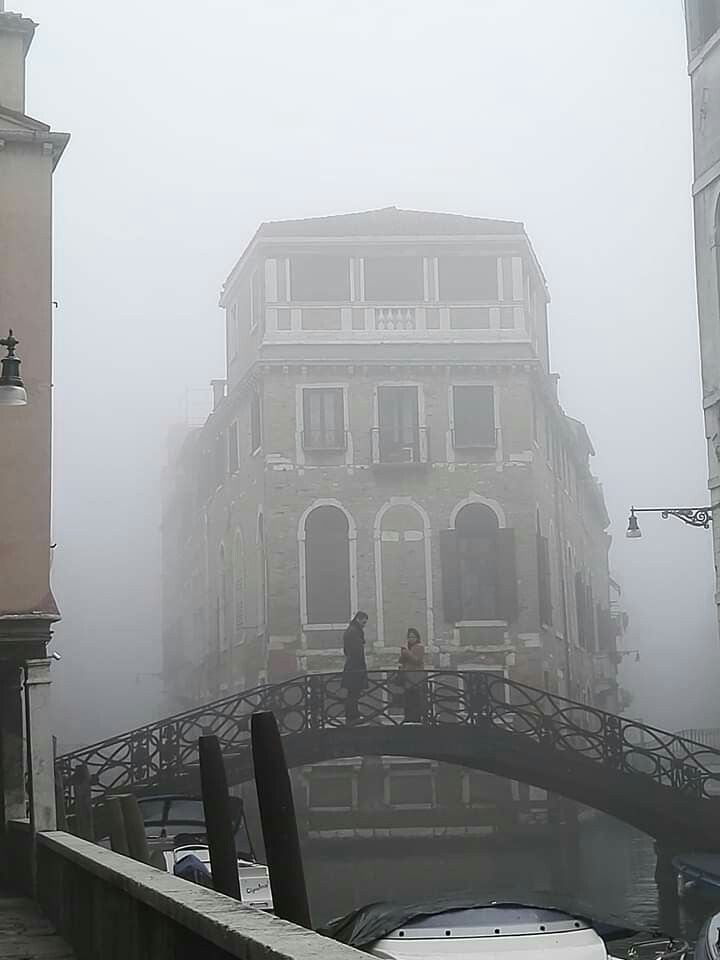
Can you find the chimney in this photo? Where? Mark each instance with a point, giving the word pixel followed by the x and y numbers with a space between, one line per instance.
pixel 218 389
pixel 16 33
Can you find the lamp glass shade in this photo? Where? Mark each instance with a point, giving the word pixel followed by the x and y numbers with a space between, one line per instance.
pixel 633 531
pixel 12 395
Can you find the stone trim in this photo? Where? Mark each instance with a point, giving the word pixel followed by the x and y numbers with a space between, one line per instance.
pixel 235 930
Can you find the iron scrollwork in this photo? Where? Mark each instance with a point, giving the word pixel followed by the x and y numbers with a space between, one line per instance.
pixel 163 754
pixel 693 516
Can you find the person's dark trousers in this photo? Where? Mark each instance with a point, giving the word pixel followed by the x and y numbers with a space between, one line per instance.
pixel 352 713
pixel 414 703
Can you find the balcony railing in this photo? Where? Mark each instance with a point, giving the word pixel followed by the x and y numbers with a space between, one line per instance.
pixel 494 320
pixel 461 441
pixel 402 447
pixel 320 440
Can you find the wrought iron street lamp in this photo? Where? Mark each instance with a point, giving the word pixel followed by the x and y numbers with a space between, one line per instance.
pixel 12 389
pixel 693 516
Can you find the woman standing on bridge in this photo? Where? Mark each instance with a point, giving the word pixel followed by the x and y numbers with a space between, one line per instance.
pixel 412 670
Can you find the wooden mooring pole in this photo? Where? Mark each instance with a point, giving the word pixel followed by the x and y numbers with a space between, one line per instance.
pixel 279 826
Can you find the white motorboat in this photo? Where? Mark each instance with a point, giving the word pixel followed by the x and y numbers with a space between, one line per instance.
pixel 494 931
pixel 176 832
pixel 254 877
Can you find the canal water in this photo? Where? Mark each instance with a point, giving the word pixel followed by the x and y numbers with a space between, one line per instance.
pixel 610 867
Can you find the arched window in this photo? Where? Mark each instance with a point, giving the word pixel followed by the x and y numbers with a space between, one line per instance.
pixel 261 575
pixel 327 566
pixel 478 566
pixel 225 607
pixel 402 556
pixel 239 568
pixel 476 527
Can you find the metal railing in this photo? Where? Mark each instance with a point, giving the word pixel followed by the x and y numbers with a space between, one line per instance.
pixel 407 446
pixel 489 442
pixel 165 750
pixel 321 440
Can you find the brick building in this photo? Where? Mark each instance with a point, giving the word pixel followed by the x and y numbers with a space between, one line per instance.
pixel 388 437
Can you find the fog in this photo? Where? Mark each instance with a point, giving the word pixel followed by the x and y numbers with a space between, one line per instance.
pixel 192 123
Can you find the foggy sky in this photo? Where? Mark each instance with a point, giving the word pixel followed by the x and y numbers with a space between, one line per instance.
pixel 191 123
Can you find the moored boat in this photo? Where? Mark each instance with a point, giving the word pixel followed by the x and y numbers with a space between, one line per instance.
pixel 458 929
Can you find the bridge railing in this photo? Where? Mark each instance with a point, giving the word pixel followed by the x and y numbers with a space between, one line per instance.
pixel 165 751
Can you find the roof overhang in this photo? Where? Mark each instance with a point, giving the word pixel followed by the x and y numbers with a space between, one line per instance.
pixel 52 143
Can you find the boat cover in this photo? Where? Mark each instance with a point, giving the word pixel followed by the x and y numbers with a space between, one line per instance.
pixel 374 921
pixel 699 866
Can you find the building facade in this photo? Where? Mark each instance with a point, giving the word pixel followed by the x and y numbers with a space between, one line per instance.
pixel 29 153
pixel 388 438
pixel 702 19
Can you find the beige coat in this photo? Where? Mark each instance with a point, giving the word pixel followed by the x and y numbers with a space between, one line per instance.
pixel 412 663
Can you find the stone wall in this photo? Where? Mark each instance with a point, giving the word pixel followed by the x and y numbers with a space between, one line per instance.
pixel 110 907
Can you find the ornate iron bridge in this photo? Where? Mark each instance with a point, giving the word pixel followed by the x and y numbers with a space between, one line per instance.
pixel 480 719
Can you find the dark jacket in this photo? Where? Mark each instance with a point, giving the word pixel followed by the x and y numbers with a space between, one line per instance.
pixel 354 676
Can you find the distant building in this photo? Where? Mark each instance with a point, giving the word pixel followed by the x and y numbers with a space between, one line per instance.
pixel 702 18
pixel 390 439
pixel 29 153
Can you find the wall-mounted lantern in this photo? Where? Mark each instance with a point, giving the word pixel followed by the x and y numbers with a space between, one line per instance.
pixel 12 389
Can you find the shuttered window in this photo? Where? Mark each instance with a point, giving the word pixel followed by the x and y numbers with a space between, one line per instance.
pixel 473 415
pixel 399 434
pixel 479 574
pixel 233 447
pixel 323 418
pixel 544 581
pixel 255 423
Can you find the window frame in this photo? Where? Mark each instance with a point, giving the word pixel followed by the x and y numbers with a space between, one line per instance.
pixel 323 301
pixel 410 768
pixel 305 625
pixel 256 404
pixel 495 443
pixel 423 444
pixel 258 271
pixel 443 297
pixel 338 388
pixel 394 301
pixel 233 431
pixel 233 332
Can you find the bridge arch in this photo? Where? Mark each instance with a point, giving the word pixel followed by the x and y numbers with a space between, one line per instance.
pixel 662 783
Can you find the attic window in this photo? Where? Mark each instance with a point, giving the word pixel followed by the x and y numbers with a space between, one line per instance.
pixel 465 279
pixel 394 279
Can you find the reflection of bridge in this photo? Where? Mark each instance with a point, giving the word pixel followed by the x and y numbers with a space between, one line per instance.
pixel 662 783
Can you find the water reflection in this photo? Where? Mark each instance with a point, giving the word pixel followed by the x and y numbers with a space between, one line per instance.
pixel 609 866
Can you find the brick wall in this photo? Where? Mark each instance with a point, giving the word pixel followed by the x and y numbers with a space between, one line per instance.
pixel 397 512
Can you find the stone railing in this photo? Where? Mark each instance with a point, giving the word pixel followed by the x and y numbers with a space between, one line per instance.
pixel 107 906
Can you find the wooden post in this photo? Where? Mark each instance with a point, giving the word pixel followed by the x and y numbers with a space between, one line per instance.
pixel 113 814
pixel 134 829
pixel 667 887
pixel 216 801
pixel 277 814
pixel 83 821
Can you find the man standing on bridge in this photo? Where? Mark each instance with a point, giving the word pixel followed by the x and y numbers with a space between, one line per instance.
pixel 354 677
